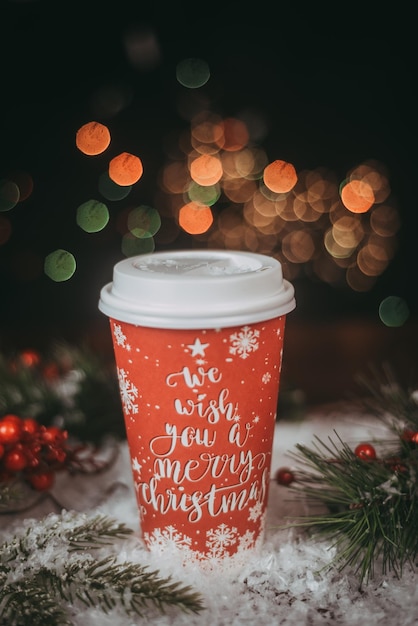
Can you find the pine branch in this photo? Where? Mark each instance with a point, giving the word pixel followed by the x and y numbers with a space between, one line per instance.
pixel 107 584
pixel 71 384
pixel 34 593
pixel 29 603
pixel 368 509
pixel 69 531
pixel 388 399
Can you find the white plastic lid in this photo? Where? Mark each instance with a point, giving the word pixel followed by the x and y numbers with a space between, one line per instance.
pixel 197 289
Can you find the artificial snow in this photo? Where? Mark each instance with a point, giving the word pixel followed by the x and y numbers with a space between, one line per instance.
pixel 288 582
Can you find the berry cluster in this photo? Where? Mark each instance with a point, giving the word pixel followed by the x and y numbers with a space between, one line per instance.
pixel 31 452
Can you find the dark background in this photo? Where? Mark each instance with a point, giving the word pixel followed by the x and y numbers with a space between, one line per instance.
pixel 335 88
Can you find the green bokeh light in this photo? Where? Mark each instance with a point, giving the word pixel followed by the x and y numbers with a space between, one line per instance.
pixel 192 73
pixel 144 221
pixel 131 245
pixel 92 216
pixel 111 190
pixel 59 265
pixel 205 195
pixel 9 194
pixel 393 311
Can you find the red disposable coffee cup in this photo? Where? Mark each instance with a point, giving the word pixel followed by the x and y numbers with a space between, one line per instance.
pixel 198 342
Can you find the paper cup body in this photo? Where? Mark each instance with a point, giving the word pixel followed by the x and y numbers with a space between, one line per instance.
pixel 199 400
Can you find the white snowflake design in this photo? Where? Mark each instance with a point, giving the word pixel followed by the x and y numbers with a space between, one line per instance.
pixel 266 378
pixel 246 541
pixel 255 512
pixel 219 539
pixel 120 338
pixel 128 393
pixel 244 342
pixel 162 539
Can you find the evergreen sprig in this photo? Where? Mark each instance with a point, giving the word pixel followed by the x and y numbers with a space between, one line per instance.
pixel 73 385
pixel 367 508
pixel 33 592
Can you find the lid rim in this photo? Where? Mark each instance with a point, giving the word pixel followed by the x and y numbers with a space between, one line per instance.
pixel 210 288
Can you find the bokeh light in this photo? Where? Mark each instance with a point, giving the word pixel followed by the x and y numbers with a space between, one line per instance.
pixel 201 194
pixel 206 170
pixel 192 72
pixel 125 169
pixel 9 194
pixel 393 311
pixel 195 218
pixel 143 221
pixel 357 196
pixel 280 176
pixel 131 245
pixel 24 181
pixel 269 207
pixel 92 138
pixel 111 190
pixel 59 265
pixel 92 216
pixel 142 47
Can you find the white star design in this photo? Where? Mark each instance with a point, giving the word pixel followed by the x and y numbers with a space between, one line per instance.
pixel 197 347
pixel 136 465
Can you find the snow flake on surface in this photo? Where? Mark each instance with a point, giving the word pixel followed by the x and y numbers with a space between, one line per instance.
pixel 128 393
pixel 244 342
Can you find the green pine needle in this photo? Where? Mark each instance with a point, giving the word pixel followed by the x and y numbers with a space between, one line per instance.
pixel 367 508
pixel 36 594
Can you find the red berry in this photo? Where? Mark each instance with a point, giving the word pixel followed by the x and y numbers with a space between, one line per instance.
pixel 56 455
pixel 1 450
pixel 32 460
pixel 365 451
pixel 10 429
pixel 41 481
pixel 284 476
pixel 51 371
pixel 30 426
pixel 396 465
pixel 53 434
pixel 15 460
pixel 410 435
pixel 30 358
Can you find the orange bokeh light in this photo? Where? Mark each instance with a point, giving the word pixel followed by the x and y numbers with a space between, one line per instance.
pixel 235 135
pixel 125 169
pixel 357 196
pixel 280 176
pixel 206 170
pixel 195 218
pixel 92 138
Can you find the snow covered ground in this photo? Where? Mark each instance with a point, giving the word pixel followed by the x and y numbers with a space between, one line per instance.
pixel 287 583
